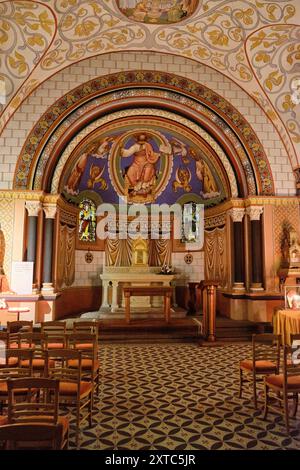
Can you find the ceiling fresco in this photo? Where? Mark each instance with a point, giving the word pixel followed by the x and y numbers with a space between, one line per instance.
pixel 253 42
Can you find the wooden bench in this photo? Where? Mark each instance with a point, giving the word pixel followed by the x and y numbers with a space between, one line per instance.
pixel 144 291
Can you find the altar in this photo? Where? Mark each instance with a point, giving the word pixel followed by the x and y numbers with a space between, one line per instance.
pixel 114 278
pixel 137 273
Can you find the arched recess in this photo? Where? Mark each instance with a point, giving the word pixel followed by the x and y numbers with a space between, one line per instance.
pixel 97 98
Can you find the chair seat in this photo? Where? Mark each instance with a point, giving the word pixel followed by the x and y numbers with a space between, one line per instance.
pixel 63 420
pixel 70 388
pixel 38 363
pixel 84 346
pixel 23 345
pixel 12 361
pixel 293 382
pixel 260 366
pixel 55 345
pixel 86 364
pixel 4 390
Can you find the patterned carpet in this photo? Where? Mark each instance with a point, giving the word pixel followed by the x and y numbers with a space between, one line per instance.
pixel 178 397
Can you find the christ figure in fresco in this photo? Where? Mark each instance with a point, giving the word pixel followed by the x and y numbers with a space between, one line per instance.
pixel 141 174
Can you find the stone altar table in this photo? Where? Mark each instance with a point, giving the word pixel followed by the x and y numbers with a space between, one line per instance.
pixel 115 278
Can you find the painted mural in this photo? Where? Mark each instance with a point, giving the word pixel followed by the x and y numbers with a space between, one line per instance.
pixel 157 11
pixel 143 165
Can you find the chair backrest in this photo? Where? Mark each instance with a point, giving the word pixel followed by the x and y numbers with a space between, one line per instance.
pixel 15 435
pixel 54 340
pixel 34 339
pixel 61 369
pixel 39 403
pixel 291 365
pixel 266 347
pixel 87 326
pixel 87 343
pixel 16 326
pixel 53 327
pixel 19 368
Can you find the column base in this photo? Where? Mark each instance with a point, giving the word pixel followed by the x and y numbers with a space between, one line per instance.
pixel 47 288
pixel 256 286
pixel 239 286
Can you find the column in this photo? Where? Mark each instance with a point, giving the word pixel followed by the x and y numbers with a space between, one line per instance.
pixel 237 215
pixel 114 302
pixel 254 213
pixel 50 211
pixel 105 285
pixel 33 208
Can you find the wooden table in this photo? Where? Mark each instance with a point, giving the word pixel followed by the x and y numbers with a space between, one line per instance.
pixel 285 323
pixel 144 291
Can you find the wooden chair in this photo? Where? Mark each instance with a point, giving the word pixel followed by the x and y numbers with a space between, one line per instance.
pixel 73 389
pixel 40 436
pixel 38 405
pixel 90 366
pixel 17 370
pixel 37 342
pixel 280 387
pixel 265 360
pixel 13 330
pixel 55 333
pixel 88 327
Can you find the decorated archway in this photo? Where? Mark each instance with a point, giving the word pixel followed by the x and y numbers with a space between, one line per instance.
pixel 100 98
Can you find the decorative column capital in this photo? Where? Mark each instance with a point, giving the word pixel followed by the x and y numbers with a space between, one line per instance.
pixel 50 210
pixel 237 214
pixel 254 212
pixel 33 208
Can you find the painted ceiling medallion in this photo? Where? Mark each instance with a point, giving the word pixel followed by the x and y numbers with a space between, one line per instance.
pixel 157 11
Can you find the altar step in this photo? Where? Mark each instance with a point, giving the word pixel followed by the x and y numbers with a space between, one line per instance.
pixel 148 330
pixel 184 329
pixel 178 330
pixel 238 330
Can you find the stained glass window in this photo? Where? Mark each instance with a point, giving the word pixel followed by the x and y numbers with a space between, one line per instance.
pixel 190 222
pixel 87 221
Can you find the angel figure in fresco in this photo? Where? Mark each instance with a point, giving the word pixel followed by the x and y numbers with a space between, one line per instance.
pixel 140 176
pixel 179 148
pixel 97 150
pixel 103 148
pixel 204 174
pixel 183 178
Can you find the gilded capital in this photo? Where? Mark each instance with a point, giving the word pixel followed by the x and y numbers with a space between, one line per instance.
pixel 33 208
pixel 254 212
pixel 50 210
pixel 237 214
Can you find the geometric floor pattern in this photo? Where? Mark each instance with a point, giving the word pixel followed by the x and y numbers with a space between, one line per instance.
pixel 178 397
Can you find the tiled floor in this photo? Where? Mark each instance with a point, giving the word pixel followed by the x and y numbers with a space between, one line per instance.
pixel 178 397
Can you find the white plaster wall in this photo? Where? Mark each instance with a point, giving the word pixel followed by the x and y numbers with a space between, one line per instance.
pixel 88 274
pixel 193 272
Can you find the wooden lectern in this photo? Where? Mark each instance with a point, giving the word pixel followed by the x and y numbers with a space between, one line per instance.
pixel 209 301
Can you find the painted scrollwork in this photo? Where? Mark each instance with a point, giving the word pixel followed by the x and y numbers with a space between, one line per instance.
pixel 218 34
pixel 274 53
pixel 26 31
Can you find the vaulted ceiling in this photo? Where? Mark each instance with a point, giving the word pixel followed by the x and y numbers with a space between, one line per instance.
pixel 255 43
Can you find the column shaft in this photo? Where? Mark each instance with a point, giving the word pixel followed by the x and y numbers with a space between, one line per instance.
pixel 48 249
pixel 238 249
pixel 256 249
pixel 31 238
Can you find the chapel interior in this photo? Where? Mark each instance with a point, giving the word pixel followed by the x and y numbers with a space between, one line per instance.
pixel 183 334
